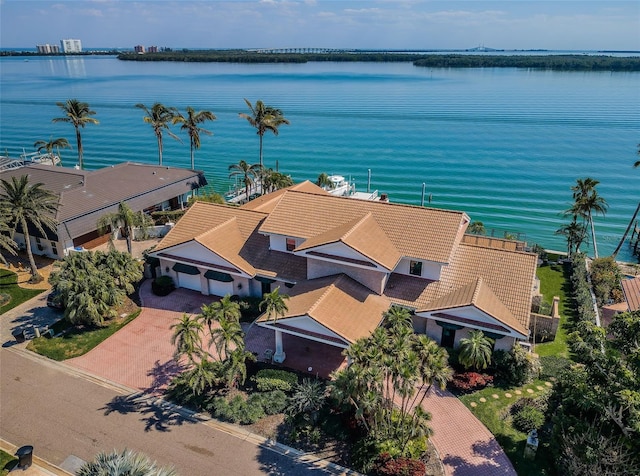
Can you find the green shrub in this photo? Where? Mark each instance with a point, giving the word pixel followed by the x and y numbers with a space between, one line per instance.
pixel 237 410
pixel 250 308
pixel 527 419
pixel 162 285
pixel 272 402
pixel 516 367
pixel 268 380
pixel 553 366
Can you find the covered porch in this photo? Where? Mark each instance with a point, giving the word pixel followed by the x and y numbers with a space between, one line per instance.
pixel 301 354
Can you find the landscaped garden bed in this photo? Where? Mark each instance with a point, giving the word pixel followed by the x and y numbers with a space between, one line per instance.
pixel 12 294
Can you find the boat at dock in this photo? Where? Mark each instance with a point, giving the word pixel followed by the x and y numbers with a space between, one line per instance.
pixel 342 187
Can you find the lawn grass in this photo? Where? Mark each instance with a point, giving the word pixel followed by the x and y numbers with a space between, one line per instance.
pixel 7 462
pixel 555 281
pixel 9 286
pixel 494 414
pixel 76 341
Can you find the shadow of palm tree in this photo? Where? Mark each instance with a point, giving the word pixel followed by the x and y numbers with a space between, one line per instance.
pixel 494 461
pixel 156 414
pixel 162 375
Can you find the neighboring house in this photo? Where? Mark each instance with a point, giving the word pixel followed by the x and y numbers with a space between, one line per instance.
pixel 345 261
pixel 85 196
pixel 631 291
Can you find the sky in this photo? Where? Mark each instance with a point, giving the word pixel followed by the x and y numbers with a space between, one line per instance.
pixel 361 24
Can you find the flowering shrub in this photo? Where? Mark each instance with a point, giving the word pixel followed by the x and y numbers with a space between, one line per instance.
pixel 387 466
pixel 470 381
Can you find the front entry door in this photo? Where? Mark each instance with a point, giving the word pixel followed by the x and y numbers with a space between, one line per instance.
pixel 266 288
pixel 448 337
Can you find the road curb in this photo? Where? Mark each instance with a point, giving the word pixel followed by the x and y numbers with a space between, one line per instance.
pixel 46 468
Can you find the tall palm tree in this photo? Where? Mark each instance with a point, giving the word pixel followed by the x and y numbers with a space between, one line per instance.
pixel 6 242
pixel 263 118
pixel 186 337
pixel 52 144
pixel 247 172
pixel 159 117
pixel 78 114
pixel 475 350
pixel 274 304
pixel 586 203
pixel 191 124
pixel 126 218
pixel 25 205
pixel 272 181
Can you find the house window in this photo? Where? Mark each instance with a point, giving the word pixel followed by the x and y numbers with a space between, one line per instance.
pixel 54 248
pixel 291 244
pixel 415 268
pixel 448 337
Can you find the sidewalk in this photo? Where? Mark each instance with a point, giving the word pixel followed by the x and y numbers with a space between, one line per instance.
pixel 39 467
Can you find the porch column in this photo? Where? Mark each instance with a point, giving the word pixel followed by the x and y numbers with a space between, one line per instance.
pixel 279 356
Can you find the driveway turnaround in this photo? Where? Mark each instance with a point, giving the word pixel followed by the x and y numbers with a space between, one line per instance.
pixel 140 355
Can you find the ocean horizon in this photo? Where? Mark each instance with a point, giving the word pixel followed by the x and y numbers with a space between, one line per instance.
pixel 503 145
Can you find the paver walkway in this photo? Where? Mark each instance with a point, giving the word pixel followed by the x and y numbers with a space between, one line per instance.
pixel 466 446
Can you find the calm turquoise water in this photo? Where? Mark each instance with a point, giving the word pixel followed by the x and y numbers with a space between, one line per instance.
pixel 504 145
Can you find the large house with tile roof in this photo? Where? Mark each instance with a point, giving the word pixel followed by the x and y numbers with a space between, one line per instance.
pixel 85 196
pixel 343 262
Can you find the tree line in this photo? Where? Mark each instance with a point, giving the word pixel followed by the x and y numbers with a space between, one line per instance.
pixel 547 62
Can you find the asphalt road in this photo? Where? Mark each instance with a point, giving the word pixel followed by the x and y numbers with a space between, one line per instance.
pixel 63 414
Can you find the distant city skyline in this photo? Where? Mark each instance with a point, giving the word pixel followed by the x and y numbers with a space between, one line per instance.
pixel 361 24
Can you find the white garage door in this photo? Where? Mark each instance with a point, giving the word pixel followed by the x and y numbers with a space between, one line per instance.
pixel 189 281
pixel 218 288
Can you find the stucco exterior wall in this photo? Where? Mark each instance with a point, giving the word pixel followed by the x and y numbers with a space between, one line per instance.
pixel 374 280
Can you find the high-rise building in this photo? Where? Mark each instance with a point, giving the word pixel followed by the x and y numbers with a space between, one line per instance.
pixel 152 49
pixel 138 49
pixel 47 48
pixel 71 46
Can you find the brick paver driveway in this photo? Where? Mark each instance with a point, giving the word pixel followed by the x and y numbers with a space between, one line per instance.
pixel 140 355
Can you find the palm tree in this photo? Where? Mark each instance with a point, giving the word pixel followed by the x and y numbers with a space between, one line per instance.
pixel 234 368
pixel 263 118
pixel 56 144
pixel 229 332
pixel 123 269
pixel 79 115
pixel 397 316
pixel 575 233
pixel 586 203
pixel 6 242
pixel 25 205
pixel 127 463
pixel 159 117
pixel 272 181
pixel 324 181
pixel 126 218
pixel 476 228
pixel 249 173
pixel 190 123
pixel 274 305
pixel 186 338
pixel 475 350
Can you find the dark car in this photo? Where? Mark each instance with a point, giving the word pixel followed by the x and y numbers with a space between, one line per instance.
pixel 54 300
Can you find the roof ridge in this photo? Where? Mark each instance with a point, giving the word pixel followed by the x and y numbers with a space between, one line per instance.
pixel 229 207
pixel 322 296
pixel 356 225
pixel 476 290
pixel 476 245
pixel 228 221
pixel 380 203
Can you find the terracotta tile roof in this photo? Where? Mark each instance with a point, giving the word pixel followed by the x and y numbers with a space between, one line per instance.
pixel 416 232
pixel 243 245
pixel 266 203
pixel 226 241
pixel 478 294
pixel 509 274
pixel 631 289
pixel 338 303
pixel 362 234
